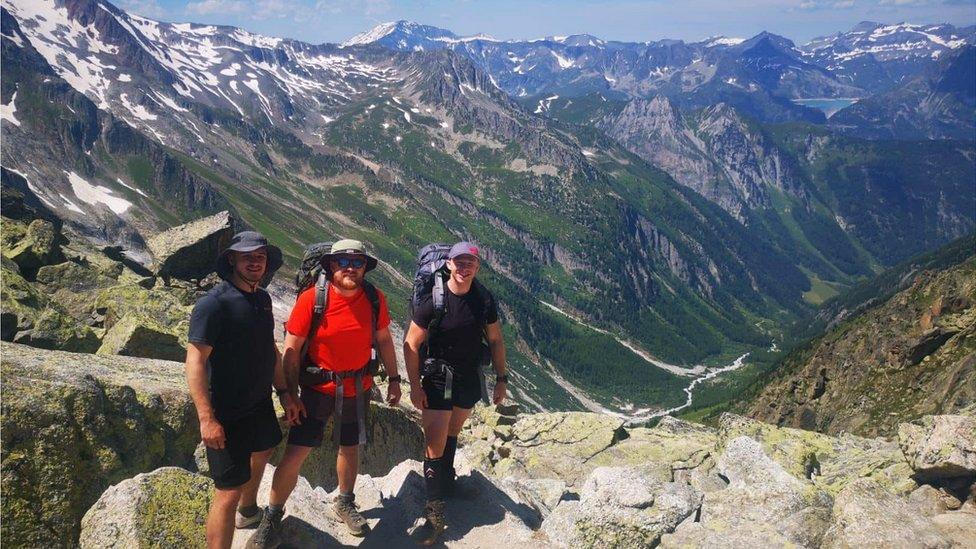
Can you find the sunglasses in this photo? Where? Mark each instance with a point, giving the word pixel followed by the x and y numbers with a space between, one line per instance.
pixel 354 262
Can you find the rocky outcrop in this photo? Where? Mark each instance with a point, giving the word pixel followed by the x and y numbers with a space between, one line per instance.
pixel 75 423
pixel 867 515
pixel 39 244
pixel 910 356
pixel 940 446
pixel 134 336
pixel 188 251
pixel 168 507
pixel 622 507
pixel 677 484
pixel 163 508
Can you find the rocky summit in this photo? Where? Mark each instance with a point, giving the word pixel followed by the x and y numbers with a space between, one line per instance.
pixel 541 480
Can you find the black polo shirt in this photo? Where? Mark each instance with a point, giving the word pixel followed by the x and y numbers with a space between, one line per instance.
pixel 239 326
pixel 458 339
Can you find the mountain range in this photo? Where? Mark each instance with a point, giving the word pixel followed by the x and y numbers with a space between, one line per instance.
pixel 644 208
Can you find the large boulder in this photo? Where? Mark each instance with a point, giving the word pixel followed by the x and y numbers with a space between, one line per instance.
pixel 763 502
pixel 141 337
pixel 867 515
pixel 164 508
pixel 558 445
pixel 830 462
pixel 940 447
pixel 30 317
pixel 622 507
pixel 72 424
pixel 188 251
pixel 32 247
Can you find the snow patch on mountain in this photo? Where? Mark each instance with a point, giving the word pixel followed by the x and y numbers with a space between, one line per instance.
pixel 8 111
pixel 95 194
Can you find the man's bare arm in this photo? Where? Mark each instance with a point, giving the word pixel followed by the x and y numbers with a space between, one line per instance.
pixel 211 431
pixel 387 353
pixel 496 342
pixel 292 361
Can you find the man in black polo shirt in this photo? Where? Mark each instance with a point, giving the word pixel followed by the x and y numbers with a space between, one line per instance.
pixel 455 343
pixel 231 362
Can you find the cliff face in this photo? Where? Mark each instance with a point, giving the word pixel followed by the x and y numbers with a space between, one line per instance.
pixel 912 355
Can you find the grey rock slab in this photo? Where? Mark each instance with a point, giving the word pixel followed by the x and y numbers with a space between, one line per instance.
pixel 939 447
pixel 866 515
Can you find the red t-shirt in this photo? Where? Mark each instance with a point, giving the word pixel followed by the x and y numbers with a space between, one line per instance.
pixel 343 339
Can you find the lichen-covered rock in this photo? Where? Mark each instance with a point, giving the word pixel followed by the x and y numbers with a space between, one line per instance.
pixel 940 447
pixel 72 424
pixel 393 435
pixel 829 461
pixel 29 317
pixel 38 245
pixel 168 308
pixel 624 507
pixel 679 445
pixel 543 494
pixel 558 445
pixel 188 251
pixel 763 502
pixel 165 508
pixel 866 515
pixel 141 337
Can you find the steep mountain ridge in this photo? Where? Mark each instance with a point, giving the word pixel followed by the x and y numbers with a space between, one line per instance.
pixel 914 353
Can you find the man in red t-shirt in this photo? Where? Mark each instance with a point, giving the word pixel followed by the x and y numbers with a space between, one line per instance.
pixel 342 344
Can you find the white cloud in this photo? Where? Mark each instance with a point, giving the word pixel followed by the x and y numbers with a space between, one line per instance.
pixel 145 8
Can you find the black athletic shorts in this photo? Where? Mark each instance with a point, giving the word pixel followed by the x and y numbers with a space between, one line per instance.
pixel 320 407
pixel 256 431
pixel 465 391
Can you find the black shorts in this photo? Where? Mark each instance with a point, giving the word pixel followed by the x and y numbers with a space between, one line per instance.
pixel 465 391
pixel 320 407
pixel 256 431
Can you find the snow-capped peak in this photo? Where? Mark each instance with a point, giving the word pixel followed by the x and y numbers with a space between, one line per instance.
pixel 374 34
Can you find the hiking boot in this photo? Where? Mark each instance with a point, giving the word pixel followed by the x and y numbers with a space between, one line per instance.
pixel 268 534
pixel 436 523
pixel 345 508
pixel 242 521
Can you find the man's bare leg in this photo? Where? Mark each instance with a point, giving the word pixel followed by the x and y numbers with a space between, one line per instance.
pixel 286 475
pixel 220 519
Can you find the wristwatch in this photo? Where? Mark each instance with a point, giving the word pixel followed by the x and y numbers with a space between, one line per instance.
pixel 395 379
pixel 501 379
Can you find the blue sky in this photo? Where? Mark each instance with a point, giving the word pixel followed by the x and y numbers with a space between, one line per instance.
pixel 336 20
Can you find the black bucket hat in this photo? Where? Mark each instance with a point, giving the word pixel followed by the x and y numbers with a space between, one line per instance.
pixel 248 241
pixel 349 246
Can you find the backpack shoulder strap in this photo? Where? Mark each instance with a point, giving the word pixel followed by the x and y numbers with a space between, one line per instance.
pixel 374 300
pixel 318 309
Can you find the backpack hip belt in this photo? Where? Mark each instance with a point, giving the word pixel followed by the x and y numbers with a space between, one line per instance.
pixel 339 379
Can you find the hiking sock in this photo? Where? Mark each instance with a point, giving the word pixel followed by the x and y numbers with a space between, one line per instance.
pixel 278 510
pixel 248 511
pixel 433 471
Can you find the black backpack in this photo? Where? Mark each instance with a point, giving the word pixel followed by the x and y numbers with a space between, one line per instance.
pixel 312 271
